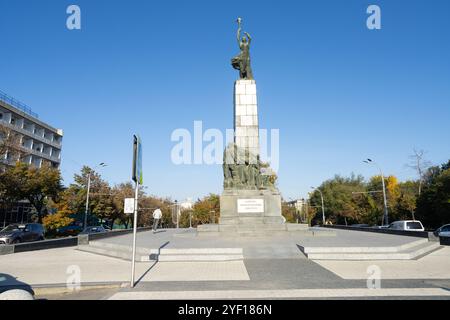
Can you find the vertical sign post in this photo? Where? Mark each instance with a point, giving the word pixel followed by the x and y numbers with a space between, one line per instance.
pixel 138 179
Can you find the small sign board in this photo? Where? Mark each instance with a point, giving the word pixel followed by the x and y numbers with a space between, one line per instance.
pixel 250 205
pixel 128 206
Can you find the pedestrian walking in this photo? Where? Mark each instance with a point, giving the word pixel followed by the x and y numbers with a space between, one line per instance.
pixel 157 214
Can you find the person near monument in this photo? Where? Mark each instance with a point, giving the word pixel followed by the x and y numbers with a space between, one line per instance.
pixel 157 214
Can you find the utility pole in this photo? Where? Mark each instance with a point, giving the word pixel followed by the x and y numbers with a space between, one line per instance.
pixel 323 208
pixel 386 214
pixel 86 212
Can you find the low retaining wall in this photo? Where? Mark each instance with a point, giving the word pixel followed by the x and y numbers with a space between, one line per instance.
pixel 64 242
pixel 445 241
pixel 417 234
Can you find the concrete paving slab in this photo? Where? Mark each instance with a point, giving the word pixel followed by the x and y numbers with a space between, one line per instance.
pixel 51 267
pixel 198 271
pixel 281 294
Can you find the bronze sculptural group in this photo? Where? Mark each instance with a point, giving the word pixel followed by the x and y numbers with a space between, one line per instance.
pixel 245 171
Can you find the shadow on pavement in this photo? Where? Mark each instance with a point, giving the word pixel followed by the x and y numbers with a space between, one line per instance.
pixel 156 261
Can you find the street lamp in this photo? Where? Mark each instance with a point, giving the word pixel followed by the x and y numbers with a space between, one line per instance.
pixel 323 208
pixel 386 214
pixel 88 190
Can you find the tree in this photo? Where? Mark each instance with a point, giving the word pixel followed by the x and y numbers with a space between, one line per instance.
pixel 9 144
pixel 339 201
pixel 206 209
pixel 100 196
pixel 148 204
pixel 433 205
pixel 119 193
pixel 61 218
pixel 37 185
pixel 289 212
pixel 407 201
pixel 420 165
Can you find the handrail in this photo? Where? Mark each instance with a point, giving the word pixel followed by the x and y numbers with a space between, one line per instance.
pixel 17 104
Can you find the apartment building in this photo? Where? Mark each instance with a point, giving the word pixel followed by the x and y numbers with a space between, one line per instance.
pixel 38 142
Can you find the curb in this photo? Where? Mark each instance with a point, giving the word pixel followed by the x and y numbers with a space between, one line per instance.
pixel 64 289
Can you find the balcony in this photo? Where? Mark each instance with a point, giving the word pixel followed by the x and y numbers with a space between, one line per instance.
pixel 13 127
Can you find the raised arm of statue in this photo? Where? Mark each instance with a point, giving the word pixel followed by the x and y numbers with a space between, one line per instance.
pixel 249 38
pixel 239 21
pixel 239 36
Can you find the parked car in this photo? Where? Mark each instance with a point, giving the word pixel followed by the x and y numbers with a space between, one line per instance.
pixel 443 231
pixel 360 225
pixel 407 225
pixel 18 233
pixel 381 227
pixel 69 231
pixel 91 230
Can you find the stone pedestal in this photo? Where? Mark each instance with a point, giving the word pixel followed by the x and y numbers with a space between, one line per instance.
pixel 250 203
pixel 246 128
pixel 249 209
pixel 255 207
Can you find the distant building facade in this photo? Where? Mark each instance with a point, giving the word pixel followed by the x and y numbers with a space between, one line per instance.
pixel 38 143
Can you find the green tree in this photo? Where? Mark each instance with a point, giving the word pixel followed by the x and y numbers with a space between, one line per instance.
pixel 206 209
pixel 433 205
pixel 341 205
pixel 101 202
pixel 37 185
pixel 407 200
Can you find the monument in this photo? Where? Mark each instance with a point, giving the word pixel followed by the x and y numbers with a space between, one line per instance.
pixel 250 201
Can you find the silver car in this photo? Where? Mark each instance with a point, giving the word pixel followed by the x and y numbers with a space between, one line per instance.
pixel 443 231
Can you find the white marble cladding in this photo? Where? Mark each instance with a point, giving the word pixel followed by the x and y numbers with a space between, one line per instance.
pixel 246 115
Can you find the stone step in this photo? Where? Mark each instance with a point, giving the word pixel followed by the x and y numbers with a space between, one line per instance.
pixel 120 254
pixel 165 254
pixel 200 257
pixel 364 249
pixel 250 220
pixel 259 233
pixel 407 254
pixel 202 251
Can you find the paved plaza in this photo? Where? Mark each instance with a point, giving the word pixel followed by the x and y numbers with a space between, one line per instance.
pixel 272 267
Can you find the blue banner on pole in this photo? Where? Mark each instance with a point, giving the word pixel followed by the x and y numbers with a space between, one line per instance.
pixel 138 176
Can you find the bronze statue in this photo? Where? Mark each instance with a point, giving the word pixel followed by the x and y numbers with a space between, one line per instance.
pixel 241 173
pixel 242 61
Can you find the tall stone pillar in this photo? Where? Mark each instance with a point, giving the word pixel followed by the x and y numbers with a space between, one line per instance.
pixel 246 125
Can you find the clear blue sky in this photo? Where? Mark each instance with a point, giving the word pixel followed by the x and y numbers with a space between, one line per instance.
pixel 338 92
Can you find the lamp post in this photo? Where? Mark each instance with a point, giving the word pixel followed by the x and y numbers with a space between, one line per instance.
pixel 386 214
pixel 323 208
pixel 87 195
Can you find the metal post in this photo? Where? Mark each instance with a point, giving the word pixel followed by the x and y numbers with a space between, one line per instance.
pixel 190 219
pixel 386 216
pixel 87 201
pixel 323 208
pixel 133 263
pixel 386 213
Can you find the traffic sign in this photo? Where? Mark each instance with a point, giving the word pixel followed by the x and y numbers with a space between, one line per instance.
pixel 128 206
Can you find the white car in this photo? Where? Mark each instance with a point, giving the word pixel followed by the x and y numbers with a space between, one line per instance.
pixel 443 231
pixel 407 225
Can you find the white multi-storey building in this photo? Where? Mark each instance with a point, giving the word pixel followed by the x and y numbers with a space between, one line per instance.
pixel 38 142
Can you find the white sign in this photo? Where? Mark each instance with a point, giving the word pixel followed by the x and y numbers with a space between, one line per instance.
pixel 250 205
pixel 128 206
